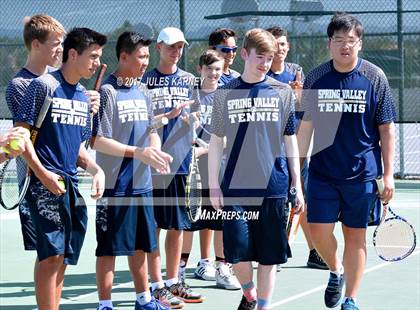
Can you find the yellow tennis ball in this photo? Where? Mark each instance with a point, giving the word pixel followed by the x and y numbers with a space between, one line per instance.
pixel 16 144
pixel 62 184
pixel 4 150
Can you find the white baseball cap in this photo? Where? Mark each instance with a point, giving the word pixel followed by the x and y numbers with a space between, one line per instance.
pixel 171 35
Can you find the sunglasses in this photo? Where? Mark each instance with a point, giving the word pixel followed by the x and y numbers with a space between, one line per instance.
pixel 227 49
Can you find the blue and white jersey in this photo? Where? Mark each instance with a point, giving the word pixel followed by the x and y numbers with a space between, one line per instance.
pixel 288 74
pixel 16 89
pixel 66 125
pixel 124 115
pixel 226 78
pixel 167 91
pixel 205 107
pixel 254 118
pixel 346 110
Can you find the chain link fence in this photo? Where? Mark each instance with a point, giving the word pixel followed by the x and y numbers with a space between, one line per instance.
pixel 392 40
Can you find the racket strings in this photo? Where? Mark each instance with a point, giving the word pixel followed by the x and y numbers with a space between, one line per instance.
pixel 193 192
pixel 13 177
pixel 394 239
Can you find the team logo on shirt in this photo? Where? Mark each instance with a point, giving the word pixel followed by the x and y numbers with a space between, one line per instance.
pixel 132 110
pixel 260 109
pixel 342 100
pixel 205 114
pixel 69 112
pixel 168 97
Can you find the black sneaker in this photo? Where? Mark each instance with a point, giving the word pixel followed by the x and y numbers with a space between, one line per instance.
pixel 334 290
pixel 316 261
pixel 247 305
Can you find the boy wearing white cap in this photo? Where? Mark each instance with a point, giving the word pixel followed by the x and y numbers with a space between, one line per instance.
pixel 171 92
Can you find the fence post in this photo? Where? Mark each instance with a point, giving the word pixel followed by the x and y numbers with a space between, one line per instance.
pixel 182 27
pixel 401 86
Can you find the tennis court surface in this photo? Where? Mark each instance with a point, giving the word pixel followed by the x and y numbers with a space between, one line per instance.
pixel 393 286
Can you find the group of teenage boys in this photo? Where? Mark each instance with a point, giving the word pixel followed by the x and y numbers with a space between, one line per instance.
pixel 257 124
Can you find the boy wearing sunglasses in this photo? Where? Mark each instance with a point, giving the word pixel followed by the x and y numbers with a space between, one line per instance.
pixel 223 40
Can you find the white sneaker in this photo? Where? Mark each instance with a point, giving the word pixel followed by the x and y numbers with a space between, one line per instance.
pixel 205 271
pixel 225 278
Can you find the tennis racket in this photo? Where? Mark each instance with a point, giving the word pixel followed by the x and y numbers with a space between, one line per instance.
pixel 193 199
pixel 394 238
pixel 294 220
pixel 96 87
pixel 12 191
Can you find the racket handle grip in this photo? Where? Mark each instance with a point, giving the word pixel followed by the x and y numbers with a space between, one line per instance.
pixel 298 77
pixel 380 184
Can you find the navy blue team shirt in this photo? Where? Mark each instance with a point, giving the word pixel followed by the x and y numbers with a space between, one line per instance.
pixel 288 74
pixel 254 118
pixel 346 110
pixel 205 102
pixel 16 89
pixel 66 125
pixel 166 92
pixel 124 115
pixel 226 78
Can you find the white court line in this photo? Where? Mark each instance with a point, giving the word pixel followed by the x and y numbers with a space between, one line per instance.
pixel 321 287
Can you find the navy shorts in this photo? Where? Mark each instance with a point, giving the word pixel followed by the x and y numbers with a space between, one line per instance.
pixel 60 221
pixel 125 225
pixel 169 202
pixel 257 239
pixel 27 227
pixel 352 204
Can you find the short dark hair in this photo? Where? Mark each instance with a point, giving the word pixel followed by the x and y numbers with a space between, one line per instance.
pixel 277 32
pixel 81 39
pixel 220 35
pixel 342 21
pixel 209 57
pixel 128 41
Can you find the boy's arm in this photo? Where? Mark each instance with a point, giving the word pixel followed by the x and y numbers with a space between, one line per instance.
pixel 27 114
pixel 387 138
pixel 292 153
pixel 152 155
pixel 87 163
pixel 48 178
pixel 215 155
pixel 304 137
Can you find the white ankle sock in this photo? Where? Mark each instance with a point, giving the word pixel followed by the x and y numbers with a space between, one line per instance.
pixel 156 285
pixel 105 303
pixel 171 282
pixel 144 297
pixel 205 260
